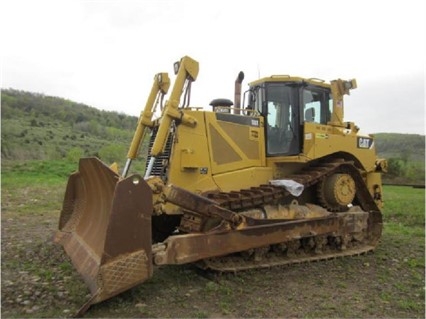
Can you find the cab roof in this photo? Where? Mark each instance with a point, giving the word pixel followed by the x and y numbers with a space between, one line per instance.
pixel 289 78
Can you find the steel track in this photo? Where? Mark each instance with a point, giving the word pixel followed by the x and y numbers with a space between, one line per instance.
pixel 236 263
pixel 266 194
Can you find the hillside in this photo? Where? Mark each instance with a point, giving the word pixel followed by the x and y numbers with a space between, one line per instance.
pixel 405 154
pixel 39 127
pixel 406 146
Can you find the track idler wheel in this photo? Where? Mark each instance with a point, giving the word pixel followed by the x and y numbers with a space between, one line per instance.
pixel 336 192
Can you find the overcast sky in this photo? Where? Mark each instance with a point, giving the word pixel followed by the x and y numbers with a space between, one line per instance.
pixel 106 53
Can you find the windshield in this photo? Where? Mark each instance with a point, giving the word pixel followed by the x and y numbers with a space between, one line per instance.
pixel 281 118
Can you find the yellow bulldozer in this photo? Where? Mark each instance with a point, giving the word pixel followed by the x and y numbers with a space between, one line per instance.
pixel 275 177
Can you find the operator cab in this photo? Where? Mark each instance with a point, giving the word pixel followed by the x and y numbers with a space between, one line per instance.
pixel 287 103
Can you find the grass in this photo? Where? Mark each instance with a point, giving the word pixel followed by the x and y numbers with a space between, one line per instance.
pixel 404 206
pixel 38 186
pixel 404 213
pixel 17 174
pixel 34 187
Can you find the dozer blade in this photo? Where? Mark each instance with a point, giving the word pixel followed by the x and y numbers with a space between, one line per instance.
pixel 105 228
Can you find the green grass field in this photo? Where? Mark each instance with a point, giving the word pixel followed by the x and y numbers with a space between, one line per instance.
pixel 387 283
pixel 404 206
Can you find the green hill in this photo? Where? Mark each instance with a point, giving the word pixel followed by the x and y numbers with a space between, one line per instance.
pixel 406 146
pixel 405 154
pixel 39 127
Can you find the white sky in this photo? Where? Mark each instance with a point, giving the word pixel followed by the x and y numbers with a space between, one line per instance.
pixel 106 53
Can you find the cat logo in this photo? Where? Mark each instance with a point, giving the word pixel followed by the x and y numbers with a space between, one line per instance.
pixel 365 142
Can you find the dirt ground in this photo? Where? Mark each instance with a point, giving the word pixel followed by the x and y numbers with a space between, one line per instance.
pixel 38 281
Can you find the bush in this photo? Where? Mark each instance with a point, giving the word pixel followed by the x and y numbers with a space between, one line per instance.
pixel 396 167
pixel 74 154
pixel 112 153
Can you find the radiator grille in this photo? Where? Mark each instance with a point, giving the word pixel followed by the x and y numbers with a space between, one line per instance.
pixel 161 161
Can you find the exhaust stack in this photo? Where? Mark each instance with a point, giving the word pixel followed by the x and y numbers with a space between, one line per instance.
pixel 237 93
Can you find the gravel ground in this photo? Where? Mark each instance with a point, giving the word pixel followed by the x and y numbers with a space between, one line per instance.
pixel 39 281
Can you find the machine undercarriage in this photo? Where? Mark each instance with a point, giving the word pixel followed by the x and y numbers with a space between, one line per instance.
pixel 358 227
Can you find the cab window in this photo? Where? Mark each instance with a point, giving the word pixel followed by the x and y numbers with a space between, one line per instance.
pixel 316 105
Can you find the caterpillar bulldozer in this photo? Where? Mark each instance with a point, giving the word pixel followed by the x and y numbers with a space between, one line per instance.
pixel 277 178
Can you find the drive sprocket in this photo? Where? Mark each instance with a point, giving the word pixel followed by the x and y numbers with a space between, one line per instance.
pixel 336 192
